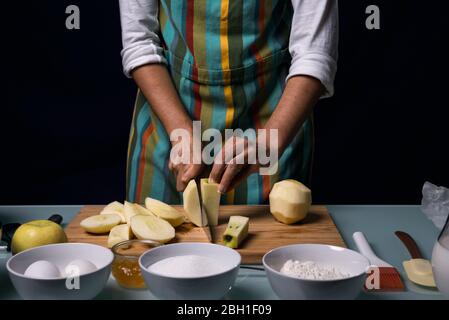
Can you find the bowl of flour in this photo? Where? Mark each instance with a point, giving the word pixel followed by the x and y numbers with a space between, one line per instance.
pixel 314 271
pixel 190 271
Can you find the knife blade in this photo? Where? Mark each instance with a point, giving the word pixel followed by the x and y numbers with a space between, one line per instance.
pixel 208 229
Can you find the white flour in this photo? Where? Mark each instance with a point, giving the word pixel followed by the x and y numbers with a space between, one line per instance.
pixel 312 271
pixel 188 266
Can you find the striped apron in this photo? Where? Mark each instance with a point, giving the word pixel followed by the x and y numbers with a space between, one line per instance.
pixel 229 60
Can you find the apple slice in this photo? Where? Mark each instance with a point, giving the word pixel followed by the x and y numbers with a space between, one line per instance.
pixel 100 223
pixel 133 209
pixel 192 206
pixel 115 208
pixel 119 233
pixel 152 228
pixel 210 198
pixel 164 211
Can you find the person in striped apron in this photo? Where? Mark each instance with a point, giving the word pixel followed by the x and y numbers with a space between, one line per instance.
pixel 229 64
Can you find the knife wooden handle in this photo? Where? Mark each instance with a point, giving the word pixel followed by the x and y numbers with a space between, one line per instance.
pixel 410 244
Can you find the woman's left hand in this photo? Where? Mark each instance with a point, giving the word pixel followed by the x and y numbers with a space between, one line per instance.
pixel 232 164
pixel 296 104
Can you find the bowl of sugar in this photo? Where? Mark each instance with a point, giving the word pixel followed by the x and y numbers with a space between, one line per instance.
pixel 315 271
pixel 190 271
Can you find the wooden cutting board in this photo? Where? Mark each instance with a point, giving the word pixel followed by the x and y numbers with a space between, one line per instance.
pixel 265 233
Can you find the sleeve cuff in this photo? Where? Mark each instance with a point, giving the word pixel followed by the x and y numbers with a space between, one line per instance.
pixel 140 55
pixel 318 65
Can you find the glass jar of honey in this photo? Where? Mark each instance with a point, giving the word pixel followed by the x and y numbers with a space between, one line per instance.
pixel 125 267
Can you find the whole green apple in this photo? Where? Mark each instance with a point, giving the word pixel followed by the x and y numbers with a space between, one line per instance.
pixel 37 233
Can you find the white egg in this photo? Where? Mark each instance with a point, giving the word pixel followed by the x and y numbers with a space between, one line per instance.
pixel 79 267
pixel 42 269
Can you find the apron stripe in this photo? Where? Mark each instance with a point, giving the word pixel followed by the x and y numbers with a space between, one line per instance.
pixel 261 19
pixel 230 107
pixel 224 38
pixel 235 44
pixel 226 74
pixel 259 122
pixel 190 24
pixel 161 152
pixel 225 62
pixel 143 160
pixel 142 121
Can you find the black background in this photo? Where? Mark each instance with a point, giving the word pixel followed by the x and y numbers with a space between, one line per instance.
pixel 66 107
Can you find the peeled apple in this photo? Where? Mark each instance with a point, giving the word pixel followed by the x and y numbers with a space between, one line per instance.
pixel 290 201
pixel 164 211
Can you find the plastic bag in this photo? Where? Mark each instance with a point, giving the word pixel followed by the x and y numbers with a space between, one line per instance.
pixel 435 203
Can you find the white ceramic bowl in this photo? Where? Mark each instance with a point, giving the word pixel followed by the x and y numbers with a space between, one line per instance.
pixel 207 287
pixel 90 284
pixel 293 288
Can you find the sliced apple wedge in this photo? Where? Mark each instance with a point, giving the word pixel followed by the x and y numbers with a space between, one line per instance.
pixel 100 223
pixel 192 206
pixel 133 209
pixel 119 233
pixel 210 198
pixel 149 227
pixel 164 211
pixel 115 208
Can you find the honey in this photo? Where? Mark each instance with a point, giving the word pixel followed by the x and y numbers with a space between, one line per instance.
pixel 127 273
pixel 125 268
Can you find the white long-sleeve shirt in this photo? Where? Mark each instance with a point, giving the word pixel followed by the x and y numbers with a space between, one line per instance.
pixel 313 43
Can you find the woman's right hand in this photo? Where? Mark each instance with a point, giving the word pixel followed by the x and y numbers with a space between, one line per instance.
pixel 185 171
pixel 157 86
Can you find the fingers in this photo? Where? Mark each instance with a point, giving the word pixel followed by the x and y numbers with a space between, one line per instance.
pixel 191 172
pixel 225 156
pixel 180 183
pixel 229 168
pixel 217 171
pixel 219 167
pixel 242 175
pixel 184 173
pixel 178 171
pixel 231 171
pixel 231 165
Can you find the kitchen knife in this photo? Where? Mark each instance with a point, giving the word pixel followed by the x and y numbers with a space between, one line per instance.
pixel 209 229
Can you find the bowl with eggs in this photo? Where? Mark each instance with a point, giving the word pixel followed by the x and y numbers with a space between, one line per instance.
pixel 64 271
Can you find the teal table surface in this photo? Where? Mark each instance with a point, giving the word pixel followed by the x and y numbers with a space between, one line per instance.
pixel 377 222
